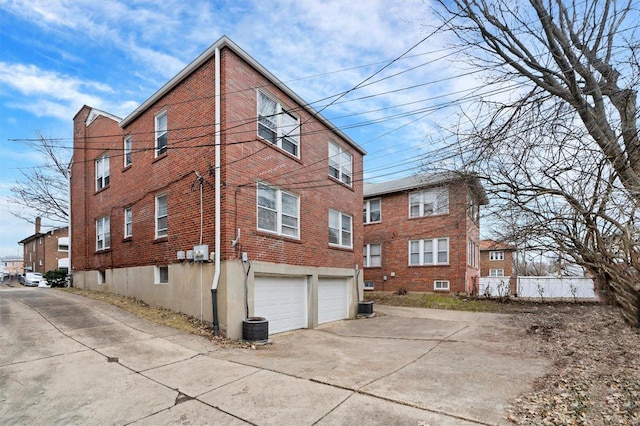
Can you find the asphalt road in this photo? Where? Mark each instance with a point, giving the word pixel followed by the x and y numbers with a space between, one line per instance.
pixel 66 360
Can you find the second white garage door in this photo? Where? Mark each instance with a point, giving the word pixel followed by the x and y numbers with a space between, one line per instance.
pixel 333 299
pixel 282 301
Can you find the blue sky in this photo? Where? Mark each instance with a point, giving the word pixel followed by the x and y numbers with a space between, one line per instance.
pixel 56 56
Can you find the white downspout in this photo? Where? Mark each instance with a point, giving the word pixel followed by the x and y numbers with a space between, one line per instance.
pixel 216 274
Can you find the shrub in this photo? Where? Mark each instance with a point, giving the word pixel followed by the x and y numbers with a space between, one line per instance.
pixel 56 278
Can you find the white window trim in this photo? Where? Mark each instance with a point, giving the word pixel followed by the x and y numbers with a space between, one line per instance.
pixel 442 283
pixel 496 255
pixel 341 217
pixel 105 236
pixel 128 221
pixel 162 150
pixel 291 136
pixel 496 272
pixel 127 151
pixel 102 171
pixel 157 275
pixel 369 285
pixel 161 232
pixel 344 171
pixel 368 256
pixel 434 251
pixel 436 196
pixel 367 211
pixel 279 212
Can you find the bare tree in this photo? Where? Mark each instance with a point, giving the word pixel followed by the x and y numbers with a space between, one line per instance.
pixel 561 153
pixel 44 190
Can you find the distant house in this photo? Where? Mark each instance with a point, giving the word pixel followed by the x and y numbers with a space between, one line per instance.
pixel 496 261
pixel 11 266
pixel 45 251
pixel 224 183
pixel 421 233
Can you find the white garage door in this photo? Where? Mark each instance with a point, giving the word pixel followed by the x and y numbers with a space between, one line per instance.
pixel 333 299
pixel 282 301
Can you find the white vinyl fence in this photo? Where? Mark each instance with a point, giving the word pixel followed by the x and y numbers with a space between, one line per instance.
pixel 555 288
pixel 494 287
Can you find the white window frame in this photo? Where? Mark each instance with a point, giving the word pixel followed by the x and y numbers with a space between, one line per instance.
pixel 368 285
pixel 441 285
pixel 161 133
pixel 159 215
pixel 370 256
pixel 128 222
pixel 102 171
pixel 428 246
pixel 280 127
pixel 287 223
pixel 103 233
pixel 161 274
pixel 496 255
pixel 340 220
pixel 340 164
pixel 127 151
pixel 367 211
pixel 496 272
pixel 430 202
pixel 61 246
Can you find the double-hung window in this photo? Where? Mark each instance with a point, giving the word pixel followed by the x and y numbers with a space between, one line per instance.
pixel 128 222
pixel 102 172
pixel 429 252
pixel 161 133
pixel 277 125
pixel 162 228
pixel 428 203
pixel 127 151
pixel 372 211
pixel 340 164
pixel 340 229
pixel 372 255
pixel 496 255
pixel 496 272
pixel 278 211
pixel 103 233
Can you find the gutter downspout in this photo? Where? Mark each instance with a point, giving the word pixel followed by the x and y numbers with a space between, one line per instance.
pixel 216 274
pixel 70 271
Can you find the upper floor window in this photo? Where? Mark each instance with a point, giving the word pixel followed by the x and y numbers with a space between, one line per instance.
pixel 340 229
pixel 63 244
pixel 473 208
pixel 127 151
pixel 40 240
pixel 496 255
pixel 278 211
pixel 430 202
pixel 372 211
pixel 102 171
pixel 339 163
pixel 162 229
pixel 161 133
pixel 372 255
pixel 277 125
pixel 128 222
pixel 103 233
pixel 429 252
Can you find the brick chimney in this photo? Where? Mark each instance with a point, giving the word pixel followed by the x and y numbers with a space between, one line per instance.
pixel 38 224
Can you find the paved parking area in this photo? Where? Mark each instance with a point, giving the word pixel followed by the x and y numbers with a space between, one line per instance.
pixel 70 360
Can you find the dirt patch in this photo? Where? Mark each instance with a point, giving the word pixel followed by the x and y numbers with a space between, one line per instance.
pixel 162 316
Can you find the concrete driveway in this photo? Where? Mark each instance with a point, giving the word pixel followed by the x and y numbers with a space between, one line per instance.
pixel 70 360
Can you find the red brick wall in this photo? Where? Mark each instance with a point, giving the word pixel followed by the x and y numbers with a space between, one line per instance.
pixel 191 147
pixel 396 229
pixel 486 264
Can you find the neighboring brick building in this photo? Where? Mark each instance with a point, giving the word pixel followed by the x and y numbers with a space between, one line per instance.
pixel 45 251
pixel 421 233
pixel 496 259
pixel 11 266
pixel 285 240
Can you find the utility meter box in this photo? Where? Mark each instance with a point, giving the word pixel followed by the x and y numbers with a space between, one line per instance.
pixel 201 253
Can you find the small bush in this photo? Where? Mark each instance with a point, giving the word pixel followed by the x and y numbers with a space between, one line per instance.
pixel 56 278
pixel 401 291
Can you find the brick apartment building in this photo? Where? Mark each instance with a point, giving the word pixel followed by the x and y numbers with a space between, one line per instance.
pixel 496 259
pixel 223 179
pixel 421 233
pixel 45 251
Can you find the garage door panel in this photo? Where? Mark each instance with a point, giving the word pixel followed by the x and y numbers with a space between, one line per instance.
pixel 282 301
pixel 333 299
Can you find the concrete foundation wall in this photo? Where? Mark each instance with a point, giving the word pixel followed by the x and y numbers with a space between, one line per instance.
pixel 189 288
